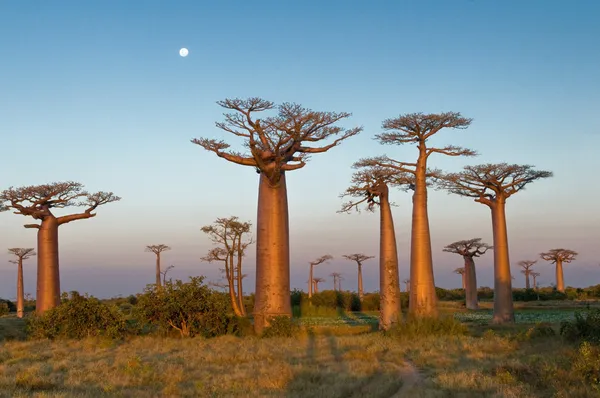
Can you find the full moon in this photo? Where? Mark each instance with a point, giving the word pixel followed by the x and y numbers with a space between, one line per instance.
pixel 183 52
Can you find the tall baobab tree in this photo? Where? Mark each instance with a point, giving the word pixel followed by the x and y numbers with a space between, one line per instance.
pixel 276 144
pixel 21 254
pixel 316 282
pixel 461 271
pixel 534 275
pixel 229 234
pixel 39 202
pixel 558 257
pixel 418 128
pixel 492 185
pixel 370 185
pixel 526 265
pixel 157 250
pixel 312 264
pixel 336 279
pixel 359 258
pixel 469 249
pixel 407 284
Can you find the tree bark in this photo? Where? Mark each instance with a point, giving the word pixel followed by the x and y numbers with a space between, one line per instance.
pixel 272 253
pixel 48 276
pixel 471 301
pixel 361 293
pixel 503 300
pixel 423 300
pixel 527 285
pixel 158 285
pixel 20 290
pixel 464 284
pixel 560 281
pixel 240 293
pixel 310 281
pixel 389 280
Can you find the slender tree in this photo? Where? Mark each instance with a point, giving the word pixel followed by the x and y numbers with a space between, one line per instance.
pixel 526 270
pixel 534 275
pixel 407 284
pixel 229 234
pixel 370 185
pixel 164 273
pixel 276 144
pixel 336 279
pixel 469 249
pixel 312 264
pixel 558 257
pixel 157 250
pixel 21 254
pixel 39 201
pixel 316 282
pixel 492 185
pixel 461 271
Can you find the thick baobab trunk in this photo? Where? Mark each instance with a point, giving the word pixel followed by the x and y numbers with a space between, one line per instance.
pixel 471 301
pixel 158 285
pixel 560 281
pixel 423 300
pixel 464 278
pixel 527 285
pixel 389 280
pixel 310 281
pixel 48 276
pixel 361 293
pixel 272 253
pixel 20 290
pixel 503 300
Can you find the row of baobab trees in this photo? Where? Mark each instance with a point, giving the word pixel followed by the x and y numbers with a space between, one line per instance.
pixel 281 142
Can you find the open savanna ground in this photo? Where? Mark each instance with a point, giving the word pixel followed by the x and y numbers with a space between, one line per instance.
pixel 332 355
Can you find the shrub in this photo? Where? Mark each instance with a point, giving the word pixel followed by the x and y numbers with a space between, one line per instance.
pixel 540 330
pixel 132 299
pixel 587 363
pixel 3 308
pixel 370 302
pixel 449 295
pixel 190 308
pixel 281 326
pixel 240 326
pixel 583 327
pixel 419 327
pixel 78 317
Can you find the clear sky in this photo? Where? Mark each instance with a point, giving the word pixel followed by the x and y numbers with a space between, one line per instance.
pixel 96 92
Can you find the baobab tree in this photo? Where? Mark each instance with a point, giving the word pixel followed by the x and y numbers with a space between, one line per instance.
pixel 469 249
pixel 492 185
pixel 336 279
pixel 526 265
pixel 418 128
pixel 21 254
pixel 39 202
pixel 157 250
pixel 370 185
pixel 558 257
pixel 534 275
pixel 164 274
pixel 312 264
pixel 461 271
pixel 276 144
pixel 229 234
pixel 316 282
pixel 407 284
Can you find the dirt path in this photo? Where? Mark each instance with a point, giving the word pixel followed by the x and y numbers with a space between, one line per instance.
pixel 411 378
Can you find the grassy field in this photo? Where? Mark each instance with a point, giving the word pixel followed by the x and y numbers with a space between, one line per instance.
pixel 334 356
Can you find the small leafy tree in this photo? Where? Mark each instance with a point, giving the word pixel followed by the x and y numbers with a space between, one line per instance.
pixel 191 308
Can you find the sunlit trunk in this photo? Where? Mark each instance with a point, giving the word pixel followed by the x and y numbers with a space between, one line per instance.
pixel 464 277
pixel 534 282
pixel 527 285
pixel 240 292
pixel 272 253
pixel 503 300
pixel 560 281
pixel 471 301
pixel 158 270
pixel 389 281
pixel 361 293
pixel 423 300
pixel 48 277
pixel 316 287
pixel 310 281
pixel 20 290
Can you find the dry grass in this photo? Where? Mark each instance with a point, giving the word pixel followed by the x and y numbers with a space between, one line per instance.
pixel 322 362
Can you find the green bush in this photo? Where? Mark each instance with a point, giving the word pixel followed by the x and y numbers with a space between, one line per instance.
pixel 420 327
pixel 539 330
pixel 449 295
pixel 281 326
pixel 190 308
pixel 587 363
pixel 240 326
pixel 525 295
pixel 78 317
pixel 3 308
pixel 585 326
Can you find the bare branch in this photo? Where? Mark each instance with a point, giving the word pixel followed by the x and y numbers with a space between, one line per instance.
pixel 157 249
pixel 468 248
pixel 22 253
pixel 459 271
pixel 92 201
pixel 321 260
pixel 417 127
pixel 359 258
pixel 562 255
pixel 452 150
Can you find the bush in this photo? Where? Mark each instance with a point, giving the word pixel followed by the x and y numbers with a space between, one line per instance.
pixel 583 327
pixel 449 295
pixel 190 308
pixel 540 330
pixel 240 326
pixel 3 308
pixel 587 363
pixel 78 317
pixel 525 295
pixel 280 326
pixel 419 327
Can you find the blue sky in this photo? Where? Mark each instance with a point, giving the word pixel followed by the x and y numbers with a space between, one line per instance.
pixel 96 92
